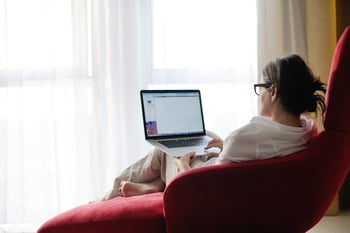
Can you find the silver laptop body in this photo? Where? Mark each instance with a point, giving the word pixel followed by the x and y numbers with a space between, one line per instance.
pixel 173 121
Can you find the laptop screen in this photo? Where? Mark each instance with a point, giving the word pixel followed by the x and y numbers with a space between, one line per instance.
pixel 169 113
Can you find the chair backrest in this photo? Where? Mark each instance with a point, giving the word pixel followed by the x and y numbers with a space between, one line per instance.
pixel 338 98
pixel 287 194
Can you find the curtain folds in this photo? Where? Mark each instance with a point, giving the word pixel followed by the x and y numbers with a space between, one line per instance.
pixel 208 48
pixel 70 113
pixel 281 29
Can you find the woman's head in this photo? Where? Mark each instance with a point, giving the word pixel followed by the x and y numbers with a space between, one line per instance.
pixel 297 88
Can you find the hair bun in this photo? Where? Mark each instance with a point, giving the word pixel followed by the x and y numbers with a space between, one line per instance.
pixel 311 104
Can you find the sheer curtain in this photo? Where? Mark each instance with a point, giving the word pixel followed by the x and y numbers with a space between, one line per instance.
pixel 281 29
pixel 70 119
pixel 209 45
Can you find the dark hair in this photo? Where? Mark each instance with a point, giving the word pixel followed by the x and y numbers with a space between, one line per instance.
pixel 297 87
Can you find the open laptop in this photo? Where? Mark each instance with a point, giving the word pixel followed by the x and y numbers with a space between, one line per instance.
pixel 173 121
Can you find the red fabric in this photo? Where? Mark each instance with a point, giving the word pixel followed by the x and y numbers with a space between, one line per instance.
pixel 338 114
pixel 119 215
pixel 288 194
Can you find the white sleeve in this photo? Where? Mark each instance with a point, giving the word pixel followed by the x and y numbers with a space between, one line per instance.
pixel 212 134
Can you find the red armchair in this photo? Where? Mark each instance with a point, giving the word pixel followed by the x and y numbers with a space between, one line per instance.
pixel 288 194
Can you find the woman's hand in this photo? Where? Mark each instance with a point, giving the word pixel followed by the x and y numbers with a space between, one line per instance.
pixel 215 143
pixel 184 162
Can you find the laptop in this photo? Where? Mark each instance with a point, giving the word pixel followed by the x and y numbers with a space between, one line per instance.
pixel 173 121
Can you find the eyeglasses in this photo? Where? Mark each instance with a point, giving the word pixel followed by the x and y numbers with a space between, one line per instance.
pixel 257 87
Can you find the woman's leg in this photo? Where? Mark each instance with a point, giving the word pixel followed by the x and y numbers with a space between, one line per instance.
pixel 128 188
pixel 168 171
pixel 147 170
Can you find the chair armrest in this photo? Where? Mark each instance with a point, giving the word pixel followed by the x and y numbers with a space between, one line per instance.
pixel 201 200
pixel 254 196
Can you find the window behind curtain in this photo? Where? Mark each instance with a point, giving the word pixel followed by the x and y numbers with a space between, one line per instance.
pixel 210 45
pixel 45 108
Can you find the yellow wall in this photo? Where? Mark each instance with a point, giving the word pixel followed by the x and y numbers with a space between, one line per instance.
pixel 321 32
pixel 321 35
pixel 321 39
pixel 343 17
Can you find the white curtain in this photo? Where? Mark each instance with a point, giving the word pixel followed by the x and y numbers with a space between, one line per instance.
pixel 209 45
pixel 281 29
pixel 70 120
pixel 70 75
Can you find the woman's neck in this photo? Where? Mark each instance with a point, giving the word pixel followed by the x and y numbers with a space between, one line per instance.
pixel 287 119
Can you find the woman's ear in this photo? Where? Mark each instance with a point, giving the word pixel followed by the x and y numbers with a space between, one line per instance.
pixel 273 93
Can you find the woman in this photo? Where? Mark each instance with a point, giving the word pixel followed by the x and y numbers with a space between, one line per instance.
pixel 288 88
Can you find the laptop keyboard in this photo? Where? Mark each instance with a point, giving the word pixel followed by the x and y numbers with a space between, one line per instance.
pixel 185 142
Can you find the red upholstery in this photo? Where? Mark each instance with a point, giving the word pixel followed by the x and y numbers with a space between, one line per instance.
pixel 126 215
pixel 288 194
pixel 338 114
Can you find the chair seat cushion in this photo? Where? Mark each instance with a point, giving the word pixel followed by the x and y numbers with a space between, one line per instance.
pixel 128 215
